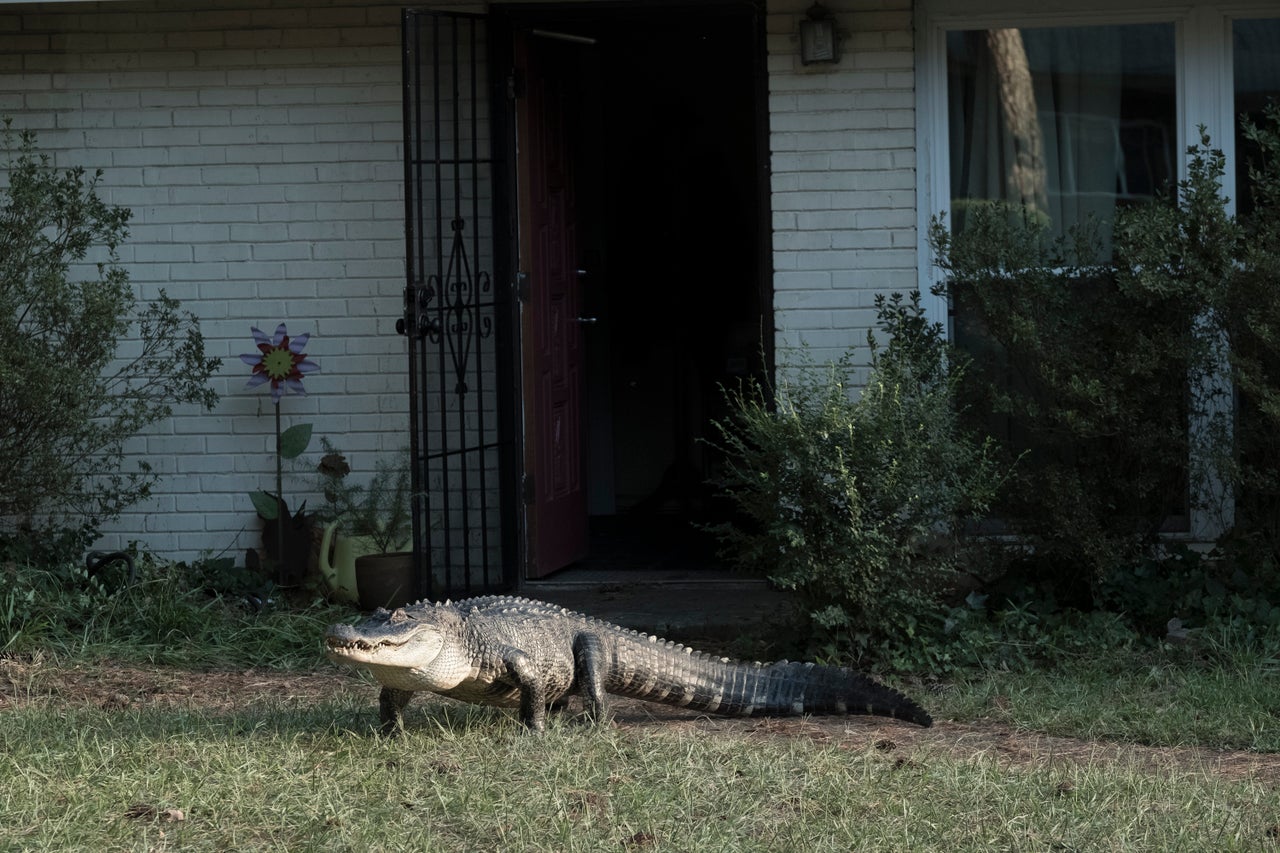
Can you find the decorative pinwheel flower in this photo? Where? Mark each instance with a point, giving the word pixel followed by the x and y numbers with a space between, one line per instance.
pixel 280 361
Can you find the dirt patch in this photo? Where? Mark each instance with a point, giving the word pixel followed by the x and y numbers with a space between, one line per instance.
pixel 962 741
pixel 118 686
pixel 122 686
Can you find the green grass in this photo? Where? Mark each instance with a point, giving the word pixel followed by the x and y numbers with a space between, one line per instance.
pixel 1138 699
pixel 159 619
pixel 280 775
pixel 79 771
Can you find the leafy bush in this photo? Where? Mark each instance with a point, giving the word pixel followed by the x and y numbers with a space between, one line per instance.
pixel 1020 636
pixel 70 394
pixel 1094 402
pixel 1111 375
pixel 855 501
pixel 1251 323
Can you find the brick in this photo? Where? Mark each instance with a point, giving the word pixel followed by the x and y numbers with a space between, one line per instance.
pixel 200 233
pixel 198 271
pixel 48 101
pixel 235 175
pixel 200 78
pixel 260 232
pixel 169 137
pixel 229 213
pixel 226 137
pixel 229 97
pixel 147 116
pixel 281 251
pixel 193 155
pixel 138 197
pixel 201 117
pixel 215 252
pixel 194 40
pixel 287 95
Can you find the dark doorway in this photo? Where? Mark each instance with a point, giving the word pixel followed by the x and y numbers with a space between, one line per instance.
pixel 670 185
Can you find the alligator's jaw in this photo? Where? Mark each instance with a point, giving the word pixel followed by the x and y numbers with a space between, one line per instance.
pixel 358 652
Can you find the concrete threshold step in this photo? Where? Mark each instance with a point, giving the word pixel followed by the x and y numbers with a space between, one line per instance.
pixel 684 609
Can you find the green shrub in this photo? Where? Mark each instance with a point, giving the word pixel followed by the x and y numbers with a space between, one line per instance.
pixel 1093 402
pixel 1251 322
pixel 70 393
pixel 1022 636
pixel 1185 590
pixel 854 501
pixel 1114 375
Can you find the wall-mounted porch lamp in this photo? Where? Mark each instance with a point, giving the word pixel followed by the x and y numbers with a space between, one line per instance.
pixel 819 41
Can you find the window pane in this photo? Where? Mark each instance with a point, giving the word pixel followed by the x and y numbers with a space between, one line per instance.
pixel 1256 59
pixel 1069 122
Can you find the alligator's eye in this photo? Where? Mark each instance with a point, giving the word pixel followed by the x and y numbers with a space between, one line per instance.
pixel 397 616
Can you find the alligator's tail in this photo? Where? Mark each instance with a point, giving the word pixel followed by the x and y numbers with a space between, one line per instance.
pixel 791 688
pixel 677 676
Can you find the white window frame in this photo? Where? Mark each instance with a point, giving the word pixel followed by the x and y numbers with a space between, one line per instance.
pixel 1205 96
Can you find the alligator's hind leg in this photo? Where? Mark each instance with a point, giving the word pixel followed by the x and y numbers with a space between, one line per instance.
pixel 391 703
pixel 588 672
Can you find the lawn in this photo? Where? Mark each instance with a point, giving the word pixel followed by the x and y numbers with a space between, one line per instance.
pixel 105 755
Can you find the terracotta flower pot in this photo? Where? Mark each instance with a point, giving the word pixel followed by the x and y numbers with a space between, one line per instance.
pixel 385 580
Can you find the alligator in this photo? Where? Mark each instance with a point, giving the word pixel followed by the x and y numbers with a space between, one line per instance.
pixel 515 652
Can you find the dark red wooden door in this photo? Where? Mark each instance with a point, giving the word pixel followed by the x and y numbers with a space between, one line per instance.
pixel 556 515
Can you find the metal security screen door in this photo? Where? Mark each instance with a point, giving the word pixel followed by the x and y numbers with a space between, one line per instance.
pixel 458 313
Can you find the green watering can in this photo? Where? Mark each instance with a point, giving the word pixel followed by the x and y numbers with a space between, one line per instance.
pixel 339 572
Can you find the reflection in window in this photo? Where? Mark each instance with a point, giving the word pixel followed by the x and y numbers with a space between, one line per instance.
pixel 1069 122
pixel 1256 66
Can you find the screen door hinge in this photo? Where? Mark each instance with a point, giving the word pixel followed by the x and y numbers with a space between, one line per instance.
pixel 515 85
pixel 526 489
pixel 523 288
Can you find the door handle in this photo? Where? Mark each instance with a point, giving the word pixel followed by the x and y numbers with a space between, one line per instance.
pixel 586 319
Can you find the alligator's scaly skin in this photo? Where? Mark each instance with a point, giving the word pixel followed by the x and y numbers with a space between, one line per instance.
pixel 498 650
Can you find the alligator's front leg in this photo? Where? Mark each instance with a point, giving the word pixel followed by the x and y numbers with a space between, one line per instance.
pixel 533 693
pixel 391 704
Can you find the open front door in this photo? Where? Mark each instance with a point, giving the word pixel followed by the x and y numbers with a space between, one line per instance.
pixel 551 321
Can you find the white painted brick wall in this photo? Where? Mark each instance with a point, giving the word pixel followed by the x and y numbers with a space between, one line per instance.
pixel 259 147
pixel 843 162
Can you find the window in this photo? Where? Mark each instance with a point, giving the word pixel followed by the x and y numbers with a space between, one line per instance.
pixel 1065 122
pixel 1255 75
pixel 1075 112
pixel 1079 111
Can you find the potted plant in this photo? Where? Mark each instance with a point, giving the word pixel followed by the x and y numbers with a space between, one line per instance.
pixel 364 553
